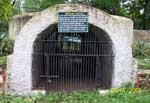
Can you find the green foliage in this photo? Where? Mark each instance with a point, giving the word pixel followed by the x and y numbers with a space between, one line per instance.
pixel 45 3
pixel 134 13
pixel 6 45
pixel 38 5
pixel 141 50
pixel 127 85
pixel 122 95
pixel 119 92
pixel 144 63
pixel 5 10
pixel 110 6
pixel 3 27
pixel 6 48
pixel 139 12
pixel 3 61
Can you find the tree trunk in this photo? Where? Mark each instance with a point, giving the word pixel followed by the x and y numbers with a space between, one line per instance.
pixel 113 8
pixel 144 16
pixel 14 2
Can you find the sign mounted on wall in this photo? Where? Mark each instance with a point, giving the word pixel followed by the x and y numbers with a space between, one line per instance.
pixel 73 22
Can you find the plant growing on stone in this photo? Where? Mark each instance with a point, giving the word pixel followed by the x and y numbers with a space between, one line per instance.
pixel 140 50
pixel 144 63
pixel 3 61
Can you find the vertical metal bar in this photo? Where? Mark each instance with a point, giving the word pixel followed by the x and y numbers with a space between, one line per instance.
pixel 91 71
pixel 67 71
pixel 47 72
pixel 63 72
pixel 50 51
pixel 108 72
pixel 86 63
pixel 79 73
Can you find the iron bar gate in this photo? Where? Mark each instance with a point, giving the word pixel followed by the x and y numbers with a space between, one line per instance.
pixel 72 61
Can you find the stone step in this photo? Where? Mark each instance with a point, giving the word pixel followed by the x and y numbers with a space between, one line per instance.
pixel 1 79
pixel 142 71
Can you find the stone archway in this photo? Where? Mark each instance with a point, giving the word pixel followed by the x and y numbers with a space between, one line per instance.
pixel 119 30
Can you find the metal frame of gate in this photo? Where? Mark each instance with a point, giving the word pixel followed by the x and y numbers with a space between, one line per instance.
pixel 72 61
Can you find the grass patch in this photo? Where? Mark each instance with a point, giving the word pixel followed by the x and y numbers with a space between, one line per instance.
pixel 81 97
pixel 144 63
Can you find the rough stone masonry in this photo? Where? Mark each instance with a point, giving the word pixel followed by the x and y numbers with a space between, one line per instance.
pixel 119 29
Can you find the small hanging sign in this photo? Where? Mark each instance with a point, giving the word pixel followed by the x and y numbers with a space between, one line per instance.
pixel 73 22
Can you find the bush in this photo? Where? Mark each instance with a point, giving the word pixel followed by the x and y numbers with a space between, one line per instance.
pixel 141 50
pixel 6 48
pixel 3 61
pixel 6 45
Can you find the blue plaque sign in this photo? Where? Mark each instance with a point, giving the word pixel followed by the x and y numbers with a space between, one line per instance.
pixel 73 22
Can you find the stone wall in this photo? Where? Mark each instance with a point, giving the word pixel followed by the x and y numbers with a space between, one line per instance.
pixel 17 22
pixel 141 35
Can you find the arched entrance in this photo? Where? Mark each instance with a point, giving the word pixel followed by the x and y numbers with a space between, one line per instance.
pixel 119 29
pixel 72 61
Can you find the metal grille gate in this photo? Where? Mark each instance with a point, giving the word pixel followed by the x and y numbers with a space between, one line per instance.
pixel 72 61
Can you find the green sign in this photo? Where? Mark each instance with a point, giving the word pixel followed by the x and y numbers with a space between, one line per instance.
pixel 72 39
pixel 73 22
